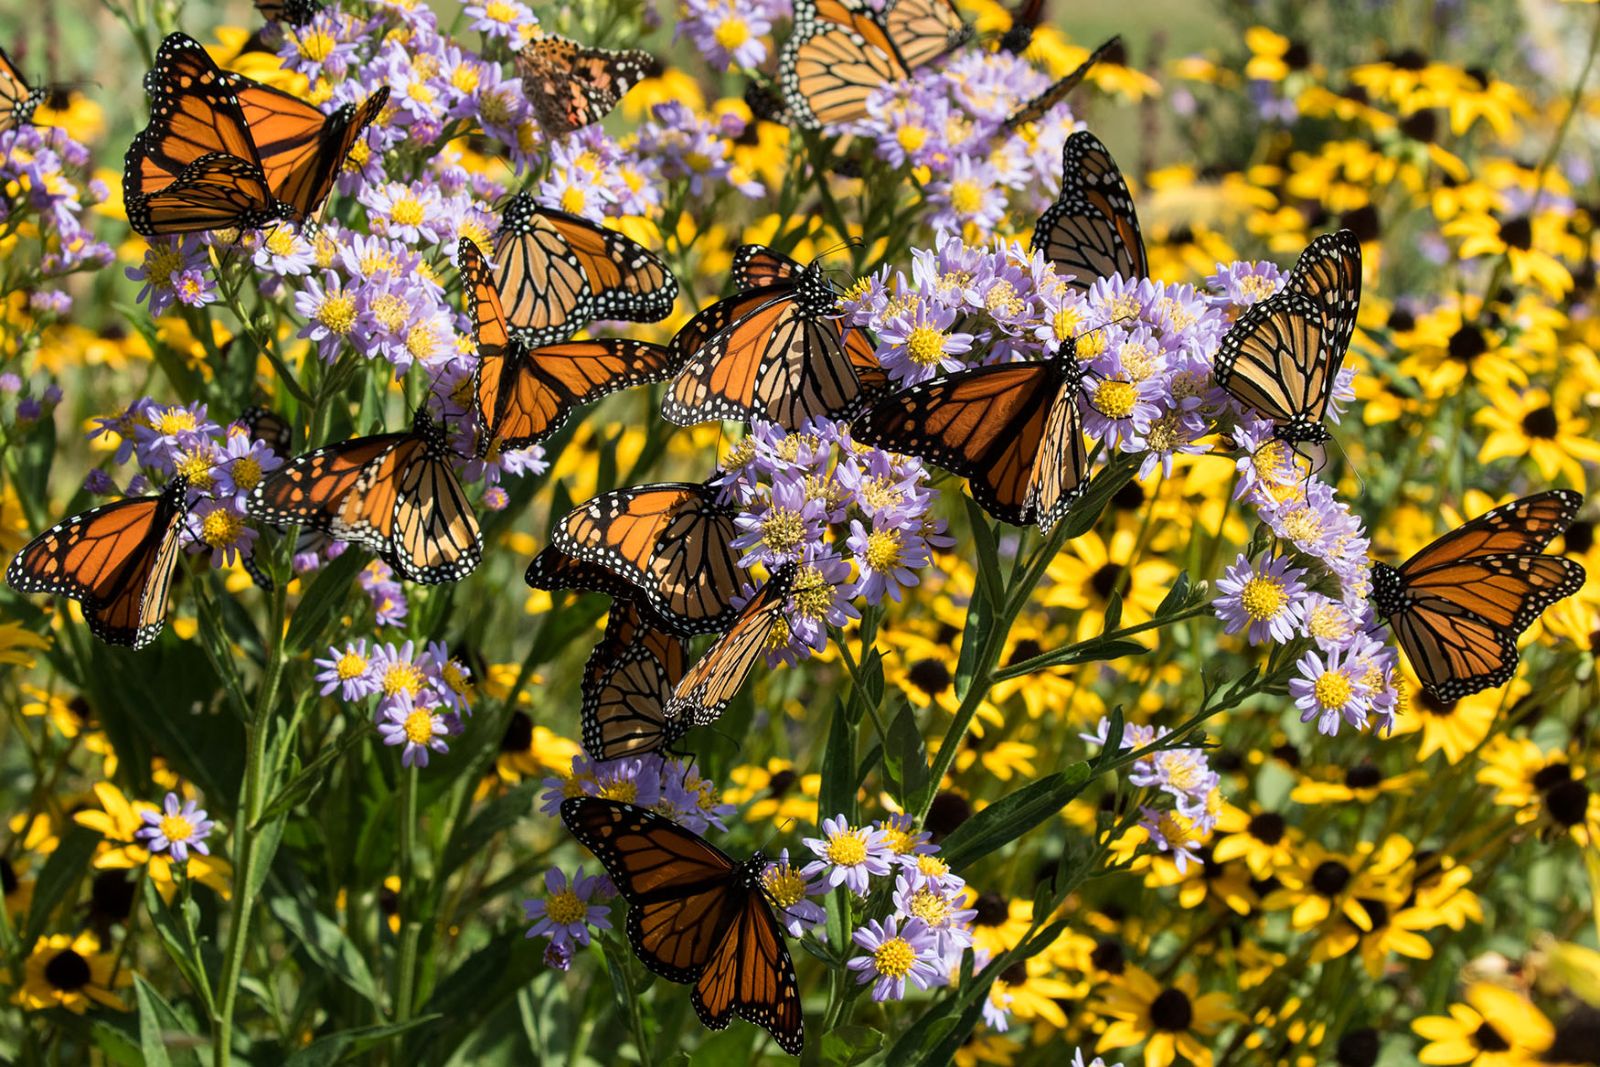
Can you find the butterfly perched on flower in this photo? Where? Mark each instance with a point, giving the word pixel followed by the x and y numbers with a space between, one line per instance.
pixel 222 151
pixel 571 85
pixel 775 351
pixel 696 915
pixel 841 51
pixel 555 272
pixel 1091 231
pixel 523 395
pixel 394 494
pixel 1281 358
pixel 1039 106
pixel 1013 430
pixel 670 542
pixel 116 559
pixel 17 101
pixel 1457 606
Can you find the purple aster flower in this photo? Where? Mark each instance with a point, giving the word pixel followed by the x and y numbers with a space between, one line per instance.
pixel 848 855
pixel 971 196
pixel 566 911
pixel 558 957
pixel 1269 599
pixel 99 483
pixel 349 670
pixel 894 953
pixel 284 252
pixel 791 891
pixel 242 464
pixel 176 828
pixel 887 556
pixel 777 529
pixel 1328 689
pixel 1173 832
pixel 725 33
pixel 507 20
pixel 917 343
pixel 1244 282
pixel 939 907
pixel 220 526
pixel 165 261
pixel 330 312
pixel 418 727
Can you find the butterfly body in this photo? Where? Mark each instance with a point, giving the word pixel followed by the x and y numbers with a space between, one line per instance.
pixel 1458 606
pixel 696 915
pixel 17 101
pixel 116 560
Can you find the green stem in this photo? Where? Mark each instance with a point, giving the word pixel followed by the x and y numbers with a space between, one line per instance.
pixel 410 897
pixel 248 837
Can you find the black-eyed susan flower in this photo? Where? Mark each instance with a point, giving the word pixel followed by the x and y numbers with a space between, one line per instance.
pixel 71 972
pixel 1493 1028
pixel 1170 1020
pixel 1534 424
pixel 1273 56
pixel 119 822
pixel 1544 787
pixel 774 792
pixel 1324 883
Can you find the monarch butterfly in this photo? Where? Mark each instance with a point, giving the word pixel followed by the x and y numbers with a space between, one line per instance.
pixel 571 85
pixel 1092 230
pixel 557 271
pixel 1282 357
pixel 553 569
pixel 840 52
pixel 758 265
pixel 773 352
pixel 294 12
pixel 627 683
pixel 671 541
pixel 1013 430
pixel 716 678
pixel 17 101
pixel 268 427
pixel 117 560
pixel 1039 106
pixel 1024 20
pixel 1458 606
pixel 696 915
pixel 524 396
pixel 394 494
pixel 222 151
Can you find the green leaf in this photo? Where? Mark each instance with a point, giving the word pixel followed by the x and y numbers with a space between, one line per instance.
pixel 988 551
pixel 177 931
pixel 906 759
pixel 329 1050
pixel 327 944
pixel 116 1043
pixel 1113 611
pixel 329 592
pixel 1012 816
pixel 309 778
pixel 66 866
pixel 1177 597
pixel 837 794
pixel 498 815
pixel 157 1023
pixel 848 1045
pixel 979 628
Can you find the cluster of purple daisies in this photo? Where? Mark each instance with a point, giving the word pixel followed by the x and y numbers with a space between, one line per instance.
pixel 422 695
pixel 857 520
pixel 1181 776
pixel 45 181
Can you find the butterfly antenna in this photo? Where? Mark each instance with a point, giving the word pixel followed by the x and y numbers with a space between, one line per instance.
pixel 1361 485
pixel 781 827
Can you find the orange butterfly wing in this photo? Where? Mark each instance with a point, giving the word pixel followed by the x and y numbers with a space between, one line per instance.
pixel 837 56
pixel 571 86
pixel 301 148
pixel 627 683
pixel 543 387
pixel 716 678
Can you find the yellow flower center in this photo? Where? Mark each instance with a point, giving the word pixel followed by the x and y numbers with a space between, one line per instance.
pixel 454 677
pixel 810 594
pixel 932 908
pixel 1258 286
pixel 280 242
pixel 573 200
pixel 894 957
pixel 315 45
pixel 1328 622
pixel 493 108
pixel 1182 774
pixel 1177 829
pixel 911 138
pixel 420 340
pixel 847 847
pixel 1332 689
pixel 1137 360
pixel 351 665
pixel 176 828
pixel 1303 524
pixel 782 530
pixel 779 637
pixel 732 33
pixel 1115 399
pixel 784 885
pixel 421 92
pixel 925 345
pixel 1002 299
pixel 419 726
pixel 496 11
pixel 1163 435
pixel 196 466
pixel 899 841
pixel 1065 322
pixel 1091 344
pixel 160 264
pixel 391 310
pixel 883 549
pixel 966 196
pixel 932 866
pixel 220 527
pixel 337 312
pixel 564 908
pixel 1263 598
pixel 173 421
pixel 407 211
pixel 246 472
pixel 401 677
pixel 624 790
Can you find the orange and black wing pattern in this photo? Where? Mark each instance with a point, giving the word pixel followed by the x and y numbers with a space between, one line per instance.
pixel 17 101
pixel 117 560
pixel 571 85
pixel 1282 357
pixel 294 12
pixel 302 149
pixel 1091 231
pixel 1458 606
pixel 195 166
pixel 716 678
pixel 556 272
pixel 394 494
pixel 837 56
pixel 672 542
pixel 757 265
pixel 925 30
pixel 627 684
pixel 785 358
pixel 695 916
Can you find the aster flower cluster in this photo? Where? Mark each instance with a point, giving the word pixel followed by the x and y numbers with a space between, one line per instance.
pixel 1180 775
pixel 421 696
pixel 45 185
pixel 672 788
pixel 818 499
pixel 569 907
pixel 730 34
